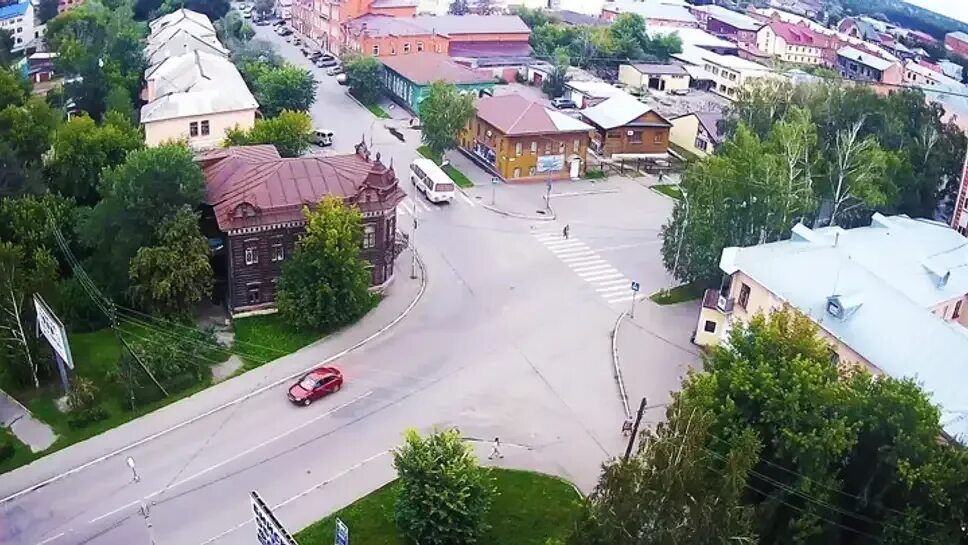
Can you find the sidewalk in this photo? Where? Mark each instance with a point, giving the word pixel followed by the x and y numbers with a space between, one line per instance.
pixel 399 297
pixel 655 352
pixel 31 432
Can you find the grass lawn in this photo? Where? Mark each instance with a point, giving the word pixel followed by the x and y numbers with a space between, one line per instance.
pixel 678 294
pixel 454 174
pixel 530 509
pixel 274 337
pixel 21 453
pixel 668 190
pixel 376 110
pixel 595 174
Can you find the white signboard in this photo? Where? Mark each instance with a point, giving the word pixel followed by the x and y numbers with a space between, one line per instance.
pixel 53 330
pixel 551 163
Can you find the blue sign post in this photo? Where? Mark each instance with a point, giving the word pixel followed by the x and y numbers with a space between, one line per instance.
pixel 635 291
pixel 342 533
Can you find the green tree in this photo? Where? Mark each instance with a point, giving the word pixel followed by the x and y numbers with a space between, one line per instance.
pixel 443 114
pixel 445 494
pixel 46 10
pixel 263 7
pixel 285 87
pixel 150 187
pixel 459 7
pixel 629 37
pixel 13 89
pixel 846 458
pixel 23 272
pixel 290 132
pixel 364 76
pixel 325 284
pixel 6 44
pixel 857 175
pixel 27 129
pixel 173 276
pixel 33 221
pixel 554 85
pixel 534 18
pixel 213 9
pixel 81 150
pixel 673 490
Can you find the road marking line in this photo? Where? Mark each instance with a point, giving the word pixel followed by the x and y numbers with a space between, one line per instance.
pixel 607 291
pixel 614 283
pixel 548 236
pixel 406 208
pixel 466 198
pixel 51 538
pixel 589 268
pixel 237 455
pixel 576 252
pixel 623 299
pixel 591 274
pixel 563 244
pixel 321 484
pixel 113 511
pixel 585 262
pixel 627 246
pixel 604 277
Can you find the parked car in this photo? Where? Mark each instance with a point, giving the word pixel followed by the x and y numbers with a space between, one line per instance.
pixel 327 61
pixel 315 55
pixel 296 41
pixel 562 103
pixel 323 137
pixel 262 22
pixel 341 79
pixel 316 384
pixel 338 69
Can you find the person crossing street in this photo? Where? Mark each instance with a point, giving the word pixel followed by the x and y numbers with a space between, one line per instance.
pixel 495 449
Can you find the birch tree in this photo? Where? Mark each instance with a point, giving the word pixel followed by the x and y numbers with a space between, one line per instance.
pixel 20 277
pixel 857 171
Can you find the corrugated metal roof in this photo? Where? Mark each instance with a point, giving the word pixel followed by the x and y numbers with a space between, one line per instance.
pixel 617 111
pixel 864 58
pixel 882 268
pixel 14 10
pixel 514 114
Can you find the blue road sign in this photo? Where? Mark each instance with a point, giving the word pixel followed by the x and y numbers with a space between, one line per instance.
pixel 635 286
pixel 342 533
pixel 495 180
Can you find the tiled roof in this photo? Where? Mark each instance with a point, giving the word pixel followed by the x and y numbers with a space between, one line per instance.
pixel 446 25
pixel 14 10
pixel 276 189
pixel 424 68
pixel 516 115
pixel 661 69
pixel 619 111
pixel 887 269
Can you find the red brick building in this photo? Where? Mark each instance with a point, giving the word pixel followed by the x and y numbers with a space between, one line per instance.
pixel 255 203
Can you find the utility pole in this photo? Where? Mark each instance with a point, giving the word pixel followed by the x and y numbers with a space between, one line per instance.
pixel 413 245
pixel 682 230
pixel 635 430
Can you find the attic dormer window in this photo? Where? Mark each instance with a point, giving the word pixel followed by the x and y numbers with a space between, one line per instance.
pixel 244 210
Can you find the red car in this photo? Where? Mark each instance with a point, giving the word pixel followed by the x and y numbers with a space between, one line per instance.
pixel 315 384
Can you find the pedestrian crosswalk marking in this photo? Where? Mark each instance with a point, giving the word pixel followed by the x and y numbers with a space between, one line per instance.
pixel 608 282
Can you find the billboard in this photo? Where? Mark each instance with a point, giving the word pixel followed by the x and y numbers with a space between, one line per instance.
pixel 268 529
pixel 53 330
pixel 551 163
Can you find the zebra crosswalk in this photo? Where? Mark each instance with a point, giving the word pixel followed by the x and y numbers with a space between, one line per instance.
pixel 416 204
pixel 608 282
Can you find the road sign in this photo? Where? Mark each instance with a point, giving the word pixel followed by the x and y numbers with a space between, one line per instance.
pixel 342 533
pixel 49 327
pixel 267 527
pixel 635 286
pixel 495 180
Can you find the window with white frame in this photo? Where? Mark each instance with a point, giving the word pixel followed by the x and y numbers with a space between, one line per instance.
pixel 369 236
pixel 204 128
pixel 193 129
pixel 251 255
pixel 278 252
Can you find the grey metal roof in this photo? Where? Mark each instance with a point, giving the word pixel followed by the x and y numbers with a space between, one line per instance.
pixel 617 111
pixel 652 9
pixel 472 24
pixel 877 267
pixel 864 58
pixel 735 19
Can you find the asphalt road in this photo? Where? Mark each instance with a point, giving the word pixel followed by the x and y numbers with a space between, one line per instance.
pixel 508 341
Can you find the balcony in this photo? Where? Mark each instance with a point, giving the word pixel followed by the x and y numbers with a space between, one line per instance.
pixel 713 300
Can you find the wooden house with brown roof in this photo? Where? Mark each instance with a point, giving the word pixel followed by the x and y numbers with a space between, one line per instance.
pixel 256 200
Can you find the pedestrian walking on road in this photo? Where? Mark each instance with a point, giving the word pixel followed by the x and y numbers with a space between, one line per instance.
pixel 495 449
pixel 134 472
pixel 566 231
pixel 627 427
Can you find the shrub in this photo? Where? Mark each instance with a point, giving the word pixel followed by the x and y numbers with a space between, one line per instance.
pixel 7 448
pixel 86 417
pixel 82 394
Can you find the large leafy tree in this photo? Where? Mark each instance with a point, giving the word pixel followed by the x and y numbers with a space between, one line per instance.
pixel 673 490
pixel 214 9
pixel 459 7
pixel 279 88
pixel 139 195
pixel 27 129
pixel 845 458
pixel 445 494
pixel 81 150
pixel 364 76
pixel 325 284
pixel 554 85
pixel 46 10
pixel 443 114
pixel 174 275
pixel 290 132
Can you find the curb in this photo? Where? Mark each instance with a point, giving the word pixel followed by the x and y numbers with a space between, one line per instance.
pixel 617 369
pixel 550 217
pixel 585 192
pixel 257 391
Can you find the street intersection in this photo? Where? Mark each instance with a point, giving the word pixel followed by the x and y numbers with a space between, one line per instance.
pixel 509 336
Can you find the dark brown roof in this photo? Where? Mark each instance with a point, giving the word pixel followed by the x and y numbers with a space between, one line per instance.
pixel 516 115
pixel 424 68
pixel 251 186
